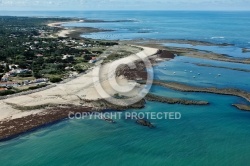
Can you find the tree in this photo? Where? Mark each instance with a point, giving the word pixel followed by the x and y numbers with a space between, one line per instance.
pixel 6 69
pixel 55 79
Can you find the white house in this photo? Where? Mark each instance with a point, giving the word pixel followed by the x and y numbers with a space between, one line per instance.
pixel 9 84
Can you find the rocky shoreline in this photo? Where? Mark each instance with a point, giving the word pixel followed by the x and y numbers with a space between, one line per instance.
pixel 222 91
pixel 103 104
pixel 152 97
pixel 13 128
pixel 187 88
pixel 222 67
pixel 242 107
pixel 179 41
pixel 190 52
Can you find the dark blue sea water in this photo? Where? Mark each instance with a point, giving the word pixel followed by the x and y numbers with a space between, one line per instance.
pixel 219 27
pixel 217 134
pixel 228 27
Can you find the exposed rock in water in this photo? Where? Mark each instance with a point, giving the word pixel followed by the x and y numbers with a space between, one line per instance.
pixel 165 54
pixel 245 50
pixel 14 127
pixel 137 73
pixel 222 67
pixel 140 70
pixel 187 88
pixel 103 104
pixel 242 107
pixel 152 97
pixel 144 122
pixel 109 120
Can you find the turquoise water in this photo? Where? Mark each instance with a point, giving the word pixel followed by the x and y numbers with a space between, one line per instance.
pixel 217 134
pixel 231 51
pixel 210 135
pixel 182 69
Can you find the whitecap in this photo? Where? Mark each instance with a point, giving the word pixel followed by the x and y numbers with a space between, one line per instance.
pixel 145 29
pixel 218 37
pixel 133 20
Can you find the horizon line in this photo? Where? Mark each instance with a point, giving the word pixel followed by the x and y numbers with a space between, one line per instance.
pixel 50 10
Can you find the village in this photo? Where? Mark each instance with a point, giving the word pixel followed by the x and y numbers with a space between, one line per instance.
pixel 35 57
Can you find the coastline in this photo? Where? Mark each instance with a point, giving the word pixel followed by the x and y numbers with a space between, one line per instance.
pixel 187 88
pixel 13 128
pixel 75 32
pixel 63 94
pixel 191 52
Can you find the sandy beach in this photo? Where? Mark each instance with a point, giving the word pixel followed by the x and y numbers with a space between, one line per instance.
pixel 59 24
pixel 69 93
pixel 65 31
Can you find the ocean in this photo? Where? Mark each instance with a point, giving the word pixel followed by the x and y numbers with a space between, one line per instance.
pixel 216 134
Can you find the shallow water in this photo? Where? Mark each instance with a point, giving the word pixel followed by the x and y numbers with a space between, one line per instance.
pixel 205 135
pixel 226 50
pixel 182 69
pixel 216 134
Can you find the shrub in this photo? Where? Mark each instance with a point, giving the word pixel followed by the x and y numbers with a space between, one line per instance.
pixel 6 92
pixel 37 87
pixel 55 79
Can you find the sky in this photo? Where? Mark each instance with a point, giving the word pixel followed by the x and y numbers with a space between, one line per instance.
pixel 41 5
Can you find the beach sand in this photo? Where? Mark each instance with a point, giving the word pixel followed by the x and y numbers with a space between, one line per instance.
pixel 69 93
pixel 65 31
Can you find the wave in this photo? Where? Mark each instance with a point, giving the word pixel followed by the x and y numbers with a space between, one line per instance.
pixel 144 30
pixel 218 37
pixel 132 20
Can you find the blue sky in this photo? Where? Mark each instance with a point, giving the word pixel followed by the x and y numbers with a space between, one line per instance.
pixel 124 5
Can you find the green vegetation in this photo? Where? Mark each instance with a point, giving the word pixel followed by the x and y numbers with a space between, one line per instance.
pixel 30 44
pixel 115 56
pixel 55 79
pixel 7 92
pixel 37 87
pixel 11 91
pixel 81 67
pixel 29 50
pixel 118 96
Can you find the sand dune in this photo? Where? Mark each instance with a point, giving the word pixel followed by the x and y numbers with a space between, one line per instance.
pixel 69 93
